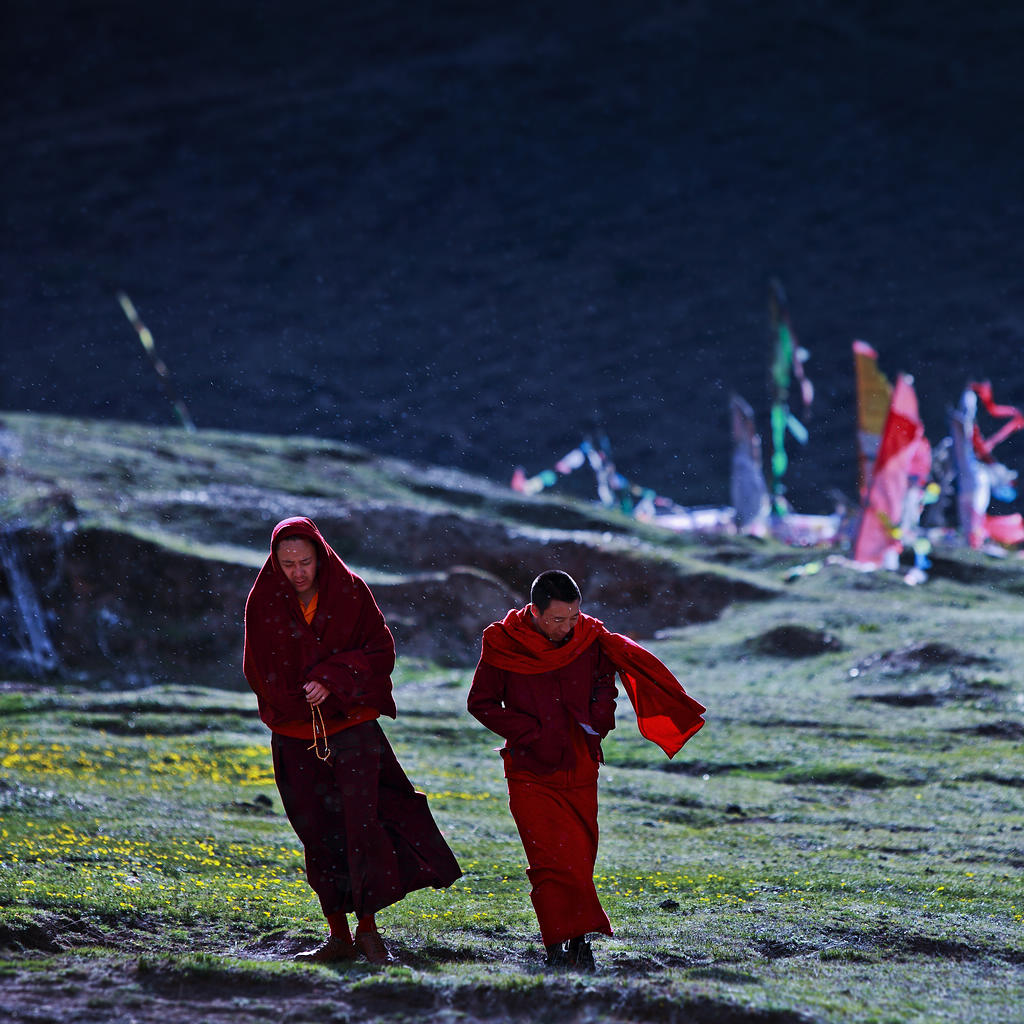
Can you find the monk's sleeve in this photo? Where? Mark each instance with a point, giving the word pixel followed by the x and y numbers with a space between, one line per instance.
pixel 361 676
pixel 486 703
pixel 602 697
pixel 251 668
pixel 260 669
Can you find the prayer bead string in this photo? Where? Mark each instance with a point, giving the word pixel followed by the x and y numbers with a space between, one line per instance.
pixel 319 733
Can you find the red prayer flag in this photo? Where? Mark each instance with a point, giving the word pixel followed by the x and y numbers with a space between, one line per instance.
pixel 903 453
pixel 1007 530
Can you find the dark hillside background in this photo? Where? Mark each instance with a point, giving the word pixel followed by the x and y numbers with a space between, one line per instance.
pixel 471 233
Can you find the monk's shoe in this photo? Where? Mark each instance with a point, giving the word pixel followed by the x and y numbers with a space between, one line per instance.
pixel 333 950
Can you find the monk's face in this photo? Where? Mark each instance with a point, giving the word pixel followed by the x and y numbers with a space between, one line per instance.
pixel 556 622
pixel 297 558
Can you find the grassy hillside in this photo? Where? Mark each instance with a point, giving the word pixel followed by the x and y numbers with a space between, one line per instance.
pixel 842 842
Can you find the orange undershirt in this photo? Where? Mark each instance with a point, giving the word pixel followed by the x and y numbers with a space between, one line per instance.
pixel 309 610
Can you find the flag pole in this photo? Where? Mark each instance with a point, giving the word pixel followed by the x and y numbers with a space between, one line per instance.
pixel 158 364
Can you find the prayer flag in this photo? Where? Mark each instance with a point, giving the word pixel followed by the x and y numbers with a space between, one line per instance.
pixel 749 492
pixel 788 358
pixel 903 460
pixel 874 393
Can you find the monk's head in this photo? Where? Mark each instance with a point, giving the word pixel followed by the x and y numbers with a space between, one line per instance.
pixel 297 558
pixel 554 604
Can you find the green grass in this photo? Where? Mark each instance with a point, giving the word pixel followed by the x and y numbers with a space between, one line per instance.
pixel 820 851
pixel 843 842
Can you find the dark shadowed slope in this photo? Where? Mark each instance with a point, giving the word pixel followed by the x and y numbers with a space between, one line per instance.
pixel 471 235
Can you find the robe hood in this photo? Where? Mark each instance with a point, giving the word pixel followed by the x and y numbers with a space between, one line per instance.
pixel 347 646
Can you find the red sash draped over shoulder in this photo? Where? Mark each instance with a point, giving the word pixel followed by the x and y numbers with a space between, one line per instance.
pixel 347 647
pixel 666 715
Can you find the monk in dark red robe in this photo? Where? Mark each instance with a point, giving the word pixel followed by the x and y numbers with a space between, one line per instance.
pixel 546 683
pixel 319 656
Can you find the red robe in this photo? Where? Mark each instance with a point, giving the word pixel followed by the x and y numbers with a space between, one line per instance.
pixel 553 705
pixel 539 713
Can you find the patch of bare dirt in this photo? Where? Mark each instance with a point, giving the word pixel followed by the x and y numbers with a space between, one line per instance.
pixel 1001 730
pixel 796 641
pixel 917 658
pixel 47 979
pixel 955 690
pixel 88 991
pixel 449 577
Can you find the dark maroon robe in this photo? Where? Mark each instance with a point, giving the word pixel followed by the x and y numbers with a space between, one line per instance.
pixel 368 835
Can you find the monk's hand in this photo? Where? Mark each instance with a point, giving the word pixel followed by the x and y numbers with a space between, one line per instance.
pixel 316 693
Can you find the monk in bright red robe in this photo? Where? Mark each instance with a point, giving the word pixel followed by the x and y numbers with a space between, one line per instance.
pixel 546 683
pixel 319 656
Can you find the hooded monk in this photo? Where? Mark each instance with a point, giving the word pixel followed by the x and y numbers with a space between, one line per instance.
pixel 546 683
pixel 319 657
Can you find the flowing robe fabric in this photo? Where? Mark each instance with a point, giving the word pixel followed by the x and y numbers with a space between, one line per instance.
pixel 369 838
pixel 666 714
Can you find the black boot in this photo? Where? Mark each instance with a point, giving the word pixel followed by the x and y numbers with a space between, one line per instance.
pixel 557 955
pixel 579 954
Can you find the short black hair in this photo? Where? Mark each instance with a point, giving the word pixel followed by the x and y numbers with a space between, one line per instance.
pixel 553 585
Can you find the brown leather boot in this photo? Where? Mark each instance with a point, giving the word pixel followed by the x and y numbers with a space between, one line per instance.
pixel 373 947
pixel 332 950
